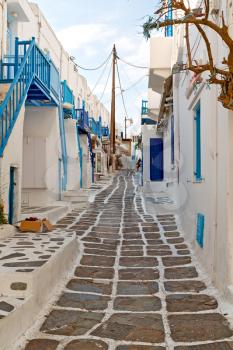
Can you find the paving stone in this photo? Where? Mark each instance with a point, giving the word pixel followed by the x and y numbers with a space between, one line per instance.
pixel 172 234
pixel 153 252
pixel 154 242
pixel 132 253
pixel 100 252
pixel 132 327
pixel 181 273
pixel 138 304
pixel 18 286
pixel 175 240
pixel 95 260
pixel 150 229
pixel 94 272
pixel 210 346
pixel 85 344
pixel 137 288
pixel 152 235
pixel 70 323
pixel 102 246
pixel 198 327
pixel 138 274
pixel 130 236
pixel 42 344
pixel 183 252
pixel 25 264
pixel 84 301
pixel 135 242
pixel 138 262
pixel 12 256
pixel 176 261
pixel 139 347
pixel 6 306
pixel 190 303
pixel 89 286
pixel 184 286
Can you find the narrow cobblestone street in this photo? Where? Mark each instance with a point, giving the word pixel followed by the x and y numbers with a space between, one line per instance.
pixel 136 287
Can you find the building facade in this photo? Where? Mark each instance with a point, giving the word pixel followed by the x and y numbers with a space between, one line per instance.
pixel 188 150
pixel 45 114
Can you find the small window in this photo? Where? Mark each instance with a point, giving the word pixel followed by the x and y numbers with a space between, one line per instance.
pixel 197 142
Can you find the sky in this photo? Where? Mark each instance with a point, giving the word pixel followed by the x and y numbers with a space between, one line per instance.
pixel 89 28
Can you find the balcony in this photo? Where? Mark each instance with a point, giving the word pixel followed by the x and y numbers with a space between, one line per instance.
pixel 83 120
pixel 160 62
pixel 96 127
pixel 68 101
pixel 19 9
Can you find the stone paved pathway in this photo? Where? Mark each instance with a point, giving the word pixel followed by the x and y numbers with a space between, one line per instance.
pixel 135 288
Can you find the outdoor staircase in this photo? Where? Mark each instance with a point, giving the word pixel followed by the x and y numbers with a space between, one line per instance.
pixel 28 77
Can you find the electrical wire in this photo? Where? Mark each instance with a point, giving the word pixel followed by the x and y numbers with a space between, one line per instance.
pixel 96 68
pixel 131 64
pixel 99 78
pixel 106 84
pixel 122 95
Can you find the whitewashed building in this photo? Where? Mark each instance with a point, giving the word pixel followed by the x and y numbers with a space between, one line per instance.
pixel 194 162
pixel 45 137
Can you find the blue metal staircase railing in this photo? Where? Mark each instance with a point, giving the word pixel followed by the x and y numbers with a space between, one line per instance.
pixel 16 95
pixel 91 156
pixel 33 77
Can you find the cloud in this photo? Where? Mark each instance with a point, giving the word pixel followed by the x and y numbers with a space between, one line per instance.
pixel 78 36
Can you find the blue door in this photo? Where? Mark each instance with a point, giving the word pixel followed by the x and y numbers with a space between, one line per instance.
pixel 156 159
pixel 11 196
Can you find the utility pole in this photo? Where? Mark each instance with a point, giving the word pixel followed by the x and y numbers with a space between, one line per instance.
pixel 113 107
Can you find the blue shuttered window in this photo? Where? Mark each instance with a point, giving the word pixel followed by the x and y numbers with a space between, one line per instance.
pixel 197 140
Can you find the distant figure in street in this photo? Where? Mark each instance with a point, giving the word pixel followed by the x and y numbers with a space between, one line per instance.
pixel 138 164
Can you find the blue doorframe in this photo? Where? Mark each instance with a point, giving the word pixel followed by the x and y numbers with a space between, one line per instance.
pixel 156 159
pixel 11 196
pixel 197 140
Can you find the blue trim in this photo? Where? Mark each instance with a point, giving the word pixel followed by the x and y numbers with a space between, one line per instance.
pixel 63 144
pixel 169 16
pixel 197 123
pixel 11 196
pixel 80 150
pixel 156 160
pixel 200 229
pixel 148 121
pixel 144 109
pixel 172 141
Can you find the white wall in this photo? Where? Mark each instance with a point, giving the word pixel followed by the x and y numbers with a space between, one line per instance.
pixel 12 157
pixel 213 196
pixel 73 181
pixel 41 125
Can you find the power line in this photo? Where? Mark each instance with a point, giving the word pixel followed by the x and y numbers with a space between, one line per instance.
pixel 100 77
pixel 132 65
pixel 102 95
pixel 96 68
pixel 122 96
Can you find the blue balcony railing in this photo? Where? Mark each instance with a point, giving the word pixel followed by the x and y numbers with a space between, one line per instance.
pixel 96 126
pixel 68 100
pixel 82 118
pixel 67 93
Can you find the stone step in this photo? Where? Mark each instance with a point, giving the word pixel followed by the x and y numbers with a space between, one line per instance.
pixel 52 213
pixel 31 266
